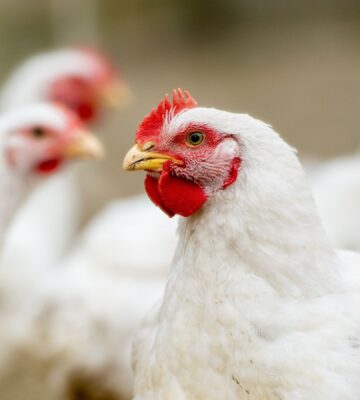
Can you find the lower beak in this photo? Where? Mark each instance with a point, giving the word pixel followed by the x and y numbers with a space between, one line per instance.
pixel 137 160
pixel 84 145
pixel 116 95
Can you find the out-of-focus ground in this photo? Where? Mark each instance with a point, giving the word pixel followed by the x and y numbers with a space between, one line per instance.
pixel 294 64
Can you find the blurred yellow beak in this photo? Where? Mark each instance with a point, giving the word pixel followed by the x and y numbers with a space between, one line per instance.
pixel 116 95
pixel 138 159
pixel 84 145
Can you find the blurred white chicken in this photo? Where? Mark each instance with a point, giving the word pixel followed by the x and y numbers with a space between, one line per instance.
pixel 337 194
pixel 257 303
pixel 36 140
pixel 108 241
pixel 83 81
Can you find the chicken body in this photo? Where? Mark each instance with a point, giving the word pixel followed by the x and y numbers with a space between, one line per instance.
pixel 257 304
pixel 76 332
pixel 35 141
pixel 337 194
pixel 15 190
pixel 108 244
pixel 32 228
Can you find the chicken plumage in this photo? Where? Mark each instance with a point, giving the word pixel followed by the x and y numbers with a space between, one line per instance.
pixel 335 185
pixel 115 228
pixel 257 304
pixel 81 317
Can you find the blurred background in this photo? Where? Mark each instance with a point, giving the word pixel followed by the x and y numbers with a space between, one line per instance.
pixel 295 64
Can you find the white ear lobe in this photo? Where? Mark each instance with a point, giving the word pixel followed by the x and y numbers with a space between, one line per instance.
pixel 228 147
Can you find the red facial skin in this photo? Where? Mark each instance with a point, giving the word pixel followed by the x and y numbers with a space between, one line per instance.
pixel 45 167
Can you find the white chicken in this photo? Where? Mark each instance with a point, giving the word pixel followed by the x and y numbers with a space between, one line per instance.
pixel 257 304
pixel 35 141
pixel 337 194
pixel 83 81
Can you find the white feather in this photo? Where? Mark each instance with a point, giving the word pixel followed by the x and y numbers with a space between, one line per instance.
pixel 336 186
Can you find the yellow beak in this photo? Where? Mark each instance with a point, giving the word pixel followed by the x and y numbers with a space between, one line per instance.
pixel 84 145
pixel 138 159
pixel 116 95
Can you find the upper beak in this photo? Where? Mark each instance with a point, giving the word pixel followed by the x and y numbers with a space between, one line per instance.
pixel 84 145
pixel 115 95
pixel 138 159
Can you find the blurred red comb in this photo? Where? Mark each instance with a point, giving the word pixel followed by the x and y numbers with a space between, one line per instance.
pixel 151 125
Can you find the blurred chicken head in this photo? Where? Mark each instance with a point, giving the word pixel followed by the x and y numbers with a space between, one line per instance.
pixel 89 89
pixel 39 139
pixel 82 80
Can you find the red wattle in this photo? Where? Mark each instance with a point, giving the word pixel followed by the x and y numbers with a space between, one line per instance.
pixel 48 166
pixel 174 195
pixel 180 195
pixel 152 189
pixel 85 111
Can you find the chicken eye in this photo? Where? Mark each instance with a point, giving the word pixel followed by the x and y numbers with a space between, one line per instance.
pixel 38 132
pixel 195 139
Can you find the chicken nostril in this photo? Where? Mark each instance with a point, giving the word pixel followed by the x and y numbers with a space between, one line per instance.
pixel 148 146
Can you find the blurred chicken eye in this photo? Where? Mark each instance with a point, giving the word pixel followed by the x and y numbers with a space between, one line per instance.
pixel 194 139
pixel 38 132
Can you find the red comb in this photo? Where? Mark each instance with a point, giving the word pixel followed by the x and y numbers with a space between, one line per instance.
pixel 151 125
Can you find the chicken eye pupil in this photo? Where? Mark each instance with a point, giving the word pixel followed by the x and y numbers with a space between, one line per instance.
pixel 195 138
pixel 38 132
